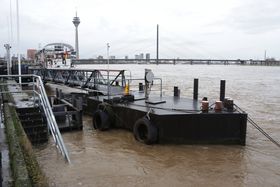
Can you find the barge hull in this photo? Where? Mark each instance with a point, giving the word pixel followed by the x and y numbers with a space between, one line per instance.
pixel 225 127
pixel 202 128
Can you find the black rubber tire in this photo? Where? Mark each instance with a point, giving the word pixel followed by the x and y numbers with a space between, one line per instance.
pixel 105 107
pixel 101 120
pixel 145 132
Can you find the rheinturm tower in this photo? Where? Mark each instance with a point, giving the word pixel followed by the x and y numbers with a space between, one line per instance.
pixel 76 22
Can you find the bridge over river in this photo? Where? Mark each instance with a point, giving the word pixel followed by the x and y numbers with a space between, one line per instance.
pixel 180 61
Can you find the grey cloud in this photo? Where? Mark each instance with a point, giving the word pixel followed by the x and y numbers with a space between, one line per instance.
pixel 256 16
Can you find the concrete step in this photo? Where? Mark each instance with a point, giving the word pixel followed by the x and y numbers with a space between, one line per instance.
pixel 35 130
pixel 29 116
pixel 32 123
pixel 28 110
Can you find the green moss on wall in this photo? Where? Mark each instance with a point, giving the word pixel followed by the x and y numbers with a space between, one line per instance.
pixel 25 168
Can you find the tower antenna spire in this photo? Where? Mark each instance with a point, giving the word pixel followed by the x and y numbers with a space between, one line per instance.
pixel 157 43
pixel 18 43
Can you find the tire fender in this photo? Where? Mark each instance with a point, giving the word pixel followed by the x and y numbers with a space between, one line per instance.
pixel 101 120
pixel 145 131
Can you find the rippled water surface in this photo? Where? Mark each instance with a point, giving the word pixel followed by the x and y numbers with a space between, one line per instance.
pixel 114 158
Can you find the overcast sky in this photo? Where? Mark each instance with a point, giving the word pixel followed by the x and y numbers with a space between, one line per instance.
pixel 229 29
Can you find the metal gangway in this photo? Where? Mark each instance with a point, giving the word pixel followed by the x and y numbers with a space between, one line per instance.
pixel 108 82
pixel 40 98
pixel 98 80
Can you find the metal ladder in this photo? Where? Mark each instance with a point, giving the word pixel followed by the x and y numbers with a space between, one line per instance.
pixel 39 91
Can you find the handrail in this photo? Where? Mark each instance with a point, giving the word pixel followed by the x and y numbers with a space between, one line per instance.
pixel 156 78
pixel 91 78
pixel 51 122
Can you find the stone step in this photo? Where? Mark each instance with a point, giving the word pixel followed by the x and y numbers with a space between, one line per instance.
pixel 32 123
pixel 28 110
pixel 30 116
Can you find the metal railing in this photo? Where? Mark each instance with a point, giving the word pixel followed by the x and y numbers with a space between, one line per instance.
pixel 156 86
pixel 95 79
pixel 38 91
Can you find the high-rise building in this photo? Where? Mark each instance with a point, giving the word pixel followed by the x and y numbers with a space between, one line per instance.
pixel 148 56
pixel 31 54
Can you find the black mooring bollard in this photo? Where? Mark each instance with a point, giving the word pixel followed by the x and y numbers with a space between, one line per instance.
pixel 117 83
pixel 176 91
pixel 222 90
pixel 141 87
pixel 195 89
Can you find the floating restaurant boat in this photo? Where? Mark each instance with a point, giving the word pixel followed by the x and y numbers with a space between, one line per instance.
pixel 56 55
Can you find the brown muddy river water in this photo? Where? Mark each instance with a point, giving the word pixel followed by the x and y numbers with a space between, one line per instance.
pixel 114 158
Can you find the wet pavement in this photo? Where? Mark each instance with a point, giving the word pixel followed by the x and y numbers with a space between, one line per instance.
pixel 5 173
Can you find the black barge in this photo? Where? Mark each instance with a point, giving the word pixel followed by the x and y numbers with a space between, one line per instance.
pixel 170 119
pixel 151 118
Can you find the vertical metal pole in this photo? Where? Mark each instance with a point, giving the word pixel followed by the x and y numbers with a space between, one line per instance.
pixel 9 60
pixel 141 87
pixel 18 46
pixel 12 35
pixel 195 89
pixel 176 91
pixel 157 43
pixel 56 92
pixel 8 57
pixel 108 81
pixel 33 81
pixel 61 94
pixel 222 90
pixel 160 87
pixel 11 22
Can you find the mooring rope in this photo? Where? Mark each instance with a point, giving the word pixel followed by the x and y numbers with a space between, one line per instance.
pixel 259 128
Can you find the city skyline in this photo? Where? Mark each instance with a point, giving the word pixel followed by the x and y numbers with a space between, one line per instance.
pixel 188 29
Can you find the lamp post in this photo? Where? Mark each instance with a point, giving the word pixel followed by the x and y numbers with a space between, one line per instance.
pixel 18 45
pixel 8 57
